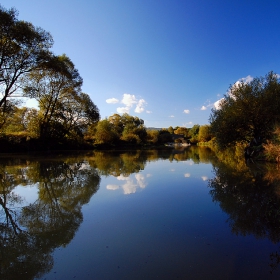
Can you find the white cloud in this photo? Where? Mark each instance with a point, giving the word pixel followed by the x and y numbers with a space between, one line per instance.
pixel 204 178
pixel 246 80
pixel 217 104
pixel 186 111
pixel 187 175
pixel 203 108
pixel 171 116
pixel 148 112
pixel 129 100
pixel 122 110
pixel 187 124
pixel 112 100
pixel 140 106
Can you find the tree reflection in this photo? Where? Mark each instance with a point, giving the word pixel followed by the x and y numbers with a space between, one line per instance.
pixel 117 163
pixel 29 234
pixel 249 194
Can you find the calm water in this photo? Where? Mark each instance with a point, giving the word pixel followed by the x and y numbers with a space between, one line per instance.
pixel 181 214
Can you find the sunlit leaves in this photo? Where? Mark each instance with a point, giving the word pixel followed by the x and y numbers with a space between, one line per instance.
pixel 248 110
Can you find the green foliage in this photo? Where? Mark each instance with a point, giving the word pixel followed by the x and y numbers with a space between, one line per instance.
pixel 249 110
pixel 183 131
pixel 23 47
pixel 152 136
pixel 131 138
pixel 65 112
pixel 170 130
pixel 105 133
pixel 129 129
pixel 29 69
pixel 204 134
pixel 164 137
pixel 6 113
pixel 272 147
pixel 193 133
pixel 22 122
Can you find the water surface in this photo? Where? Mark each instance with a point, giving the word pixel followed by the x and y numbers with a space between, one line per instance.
pixel 173 214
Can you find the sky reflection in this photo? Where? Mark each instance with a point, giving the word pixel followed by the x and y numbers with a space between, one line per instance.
pixel 131 183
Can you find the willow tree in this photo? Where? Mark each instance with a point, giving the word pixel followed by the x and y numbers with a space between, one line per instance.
pixel 249 111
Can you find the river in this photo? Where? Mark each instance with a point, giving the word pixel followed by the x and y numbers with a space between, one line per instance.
pixel 189 213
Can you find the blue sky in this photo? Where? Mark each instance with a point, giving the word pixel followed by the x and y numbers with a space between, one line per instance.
pixel 165 61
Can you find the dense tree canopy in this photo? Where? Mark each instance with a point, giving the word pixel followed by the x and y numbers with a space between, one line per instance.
pixel 64 109
pixel 204 133
pixel 182 130
pixel 29 69
pixel 248 111
pixel 193 133
pixel 23 48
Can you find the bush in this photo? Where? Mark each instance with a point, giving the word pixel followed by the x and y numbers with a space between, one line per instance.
pixel 272 151
pixel 131 138
pixel 272 148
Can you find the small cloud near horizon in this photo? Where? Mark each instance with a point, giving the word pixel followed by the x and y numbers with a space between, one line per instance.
pixel 171 116
pixel 188 123
pixel 186 111
pixel 203 108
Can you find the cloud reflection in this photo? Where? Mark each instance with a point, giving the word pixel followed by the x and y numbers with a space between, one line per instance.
pixel 112 187
pixel 130 184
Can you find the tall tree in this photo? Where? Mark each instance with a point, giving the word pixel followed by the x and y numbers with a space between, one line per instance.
pixel 130 129
pixel 23 48
pixel 248 111
pixel 182 130
pixel 105 132
pixel 204 133
pixel 63 108
pixel 193 133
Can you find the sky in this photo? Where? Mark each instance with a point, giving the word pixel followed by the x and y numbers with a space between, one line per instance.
pixel 165 61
